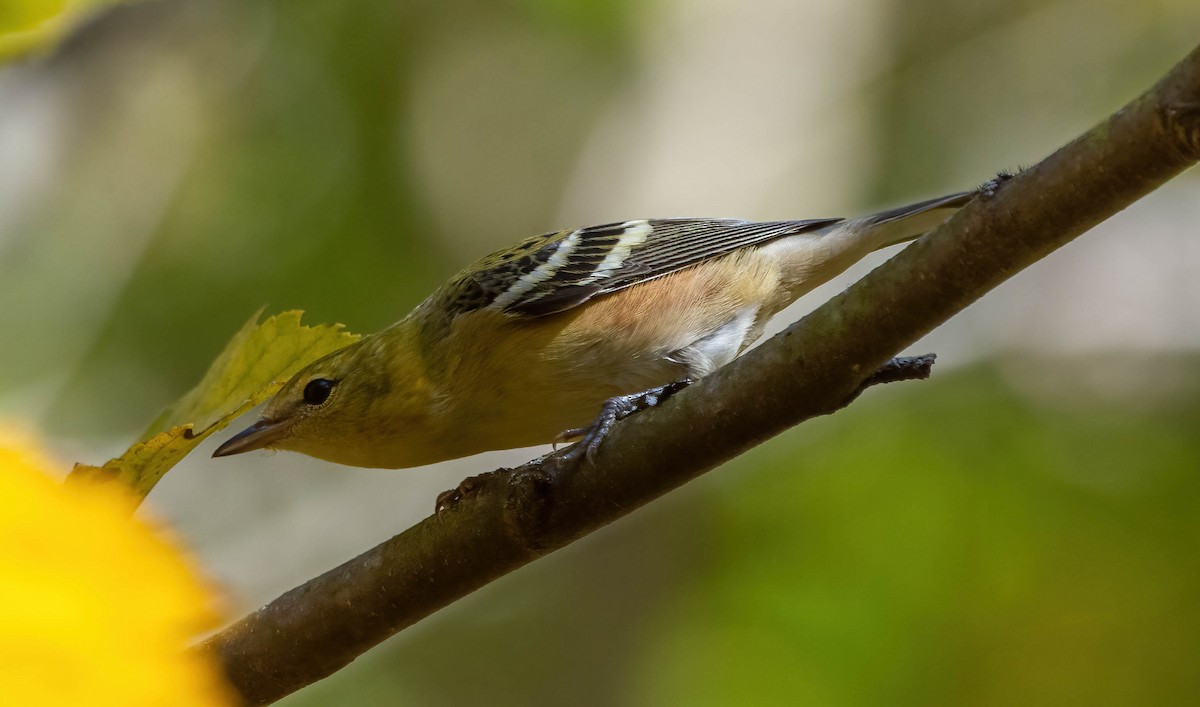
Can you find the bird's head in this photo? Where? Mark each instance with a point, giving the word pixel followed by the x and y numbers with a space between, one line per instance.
pixel 353 407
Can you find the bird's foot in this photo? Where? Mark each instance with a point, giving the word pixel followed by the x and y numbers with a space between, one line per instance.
pixel 613 411
pixel 992 186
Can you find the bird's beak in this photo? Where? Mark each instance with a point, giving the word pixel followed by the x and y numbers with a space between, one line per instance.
pixel 257 436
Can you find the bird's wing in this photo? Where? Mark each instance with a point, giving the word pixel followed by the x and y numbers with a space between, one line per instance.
pixel 560 270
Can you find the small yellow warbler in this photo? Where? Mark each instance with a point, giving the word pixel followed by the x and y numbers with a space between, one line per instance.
pixel 542 336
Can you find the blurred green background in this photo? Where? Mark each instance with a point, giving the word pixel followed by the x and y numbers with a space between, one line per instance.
pixel 1022 529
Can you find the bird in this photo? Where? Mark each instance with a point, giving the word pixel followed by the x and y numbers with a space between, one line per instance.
pixel 562 335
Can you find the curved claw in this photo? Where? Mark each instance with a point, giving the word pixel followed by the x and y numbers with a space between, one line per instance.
pixel 613 411
pixel 591 436
pixel 570 435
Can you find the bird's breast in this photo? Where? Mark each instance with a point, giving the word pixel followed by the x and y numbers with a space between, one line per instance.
pixel 519 381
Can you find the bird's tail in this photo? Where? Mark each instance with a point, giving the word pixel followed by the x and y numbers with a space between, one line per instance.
pixel 906 223
pixel 810 259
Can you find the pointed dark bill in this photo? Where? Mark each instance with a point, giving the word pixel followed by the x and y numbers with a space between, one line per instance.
pixel 257 436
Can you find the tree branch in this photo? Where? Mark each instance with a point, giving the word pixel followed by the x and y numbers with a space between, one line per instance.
pixel 497 522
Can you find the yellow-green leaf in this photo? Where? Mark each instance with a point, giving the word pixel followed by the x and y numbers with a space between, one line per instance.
pixel 256 362
pixel 37 25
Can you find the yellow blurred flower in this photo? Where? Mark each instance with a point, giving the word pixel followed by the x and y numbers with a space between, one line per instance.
pixel 30 25
pixel 95 607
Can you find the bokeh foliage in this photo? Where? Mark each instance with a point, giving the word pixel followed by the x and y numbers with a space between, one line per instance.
pixel 272 154
pixel 73 630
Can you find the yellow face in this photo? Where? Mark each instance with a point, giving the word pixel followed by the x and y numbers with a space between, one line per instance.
pixel 352 407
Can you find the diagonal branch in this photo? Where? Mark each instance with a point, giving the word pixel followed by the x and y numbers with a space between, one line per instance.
pixel 497 522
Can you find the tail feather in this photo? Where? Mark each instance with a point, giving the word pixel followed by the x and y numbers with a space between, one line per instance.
pixel 809 259
pixel 906 223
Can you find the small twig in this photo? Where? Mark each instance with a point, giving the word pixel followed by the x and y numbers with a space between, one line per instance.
pixel 901 368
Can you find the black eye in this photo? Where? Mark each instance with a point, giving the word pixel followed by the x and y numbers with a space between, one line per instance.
pixel 317 391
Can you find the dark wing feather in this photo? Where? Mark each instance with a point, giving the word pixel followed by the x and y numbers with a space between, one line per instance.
pixel 557 271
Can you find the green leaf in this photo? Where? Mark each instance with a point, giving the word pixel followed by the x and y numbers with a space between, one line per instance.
pixel 255 364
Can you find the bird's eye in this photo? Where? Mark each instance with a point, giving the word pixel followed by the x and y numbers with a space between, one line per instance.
pixel 317 391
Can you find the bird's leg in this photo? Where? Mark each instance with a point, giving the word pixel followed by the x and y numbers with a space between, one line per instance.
pixel 613 411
